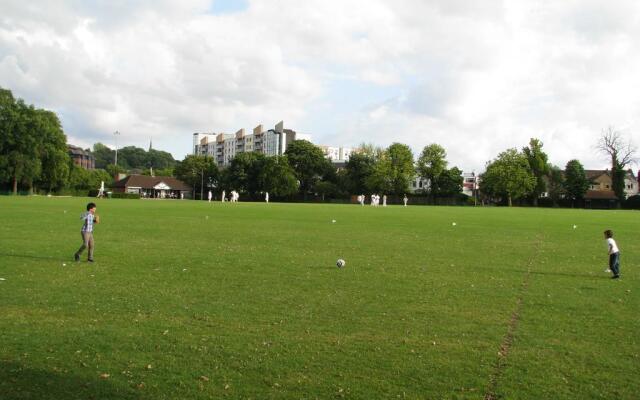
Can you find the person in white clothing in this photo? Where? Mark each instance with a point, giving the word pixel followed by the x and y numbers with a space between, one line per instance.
pixel 209 196
pixel 224 194
pixel 101 190
pixel 405 199
pixel 266 197
pixel 614 254
pixel 384 200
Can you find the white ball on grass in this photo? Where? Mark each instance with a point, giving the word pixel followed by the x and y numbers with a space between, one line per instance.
pixel 340 263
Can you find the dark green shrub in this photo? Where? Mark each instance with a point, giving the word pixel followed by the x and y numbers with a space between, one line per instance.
pixel 632 202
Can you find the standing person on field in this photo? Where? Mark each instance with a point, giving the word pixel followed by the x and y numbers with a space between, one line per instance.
pixel 266 197
pixel 89 218
pixel 405 199
pixel 209 196
pixel 384 200
pixel 614 254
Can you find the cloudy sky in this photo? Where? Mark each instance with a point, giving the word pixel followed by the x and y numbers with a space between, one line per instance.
pixel 474 76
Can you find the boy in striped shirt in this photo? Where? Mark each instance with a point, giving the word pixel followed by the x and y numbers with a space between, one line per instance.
pixel 89 218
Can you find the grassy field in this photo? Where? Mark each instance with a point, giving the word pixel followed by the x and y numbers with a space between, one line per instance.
pixel 195 300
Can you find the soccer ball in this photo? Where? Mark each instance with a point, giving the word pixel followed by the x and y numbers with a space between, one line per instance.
pixel 340 263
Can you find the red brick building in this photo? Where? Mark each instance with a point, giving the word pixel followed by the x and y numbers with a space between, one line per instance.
pixel 81 158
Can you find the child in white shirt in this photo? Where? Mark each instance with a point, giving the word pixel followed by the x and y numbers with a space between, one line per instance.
pixel 614 254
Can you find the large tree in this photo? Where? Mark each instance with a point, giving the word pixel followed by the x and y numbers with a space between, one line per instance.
pixel 132 157
pixel 621 152
pixel 401 168
pixel 159 159
pixel 32 145
pixel 307 162
pixel 379 181
pixel 83 179
pixel 357 170
pixel 243 173
pixel 449 183
pixel 277 177
pixel 508 176
pixel 254 174
pixel 8 114
pixel 555 186
pixel 20 142
pixel 199 172
pixel 575 181
pixel 53 151
pixel 103 155
pixel 431 164
pixel 538 162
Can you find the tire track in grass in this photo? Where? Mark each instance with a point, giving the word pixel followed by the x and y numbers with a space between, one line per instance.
pixel 507 341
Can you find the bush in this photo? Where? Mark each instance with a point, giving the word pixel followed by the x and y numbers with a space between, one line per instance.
pixel 632 202
pixel 125 196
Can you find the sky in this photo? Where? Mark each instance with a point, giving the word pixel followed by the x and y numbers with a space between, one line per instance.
pixel 477 77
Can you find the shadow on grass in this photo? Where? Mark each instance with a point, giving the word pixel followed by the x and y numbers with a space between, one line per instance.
pixel 565 274
pixel 35 257
pixel 18 382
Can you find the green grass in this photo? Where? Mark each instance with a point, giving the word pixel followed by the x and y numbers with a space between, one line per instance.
pixel 248 303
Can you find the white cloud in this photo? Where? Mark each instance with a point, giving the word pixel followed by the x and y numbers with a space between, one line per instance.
pixel 476 77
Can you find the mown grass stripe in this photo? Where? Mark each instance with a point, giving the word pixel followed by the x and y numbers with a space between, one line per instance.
pixel 507 341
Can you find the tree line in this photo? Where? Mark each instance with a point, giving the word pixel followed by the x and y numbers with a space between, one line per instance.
pixel 303 172
pixel 134 159
pixel 34 155
pixel 527 174
pixel 33 146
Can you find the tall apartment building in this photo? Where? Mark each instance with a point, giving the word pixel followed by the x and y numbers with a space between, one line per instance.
pixel 337 154
pixel 224 147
